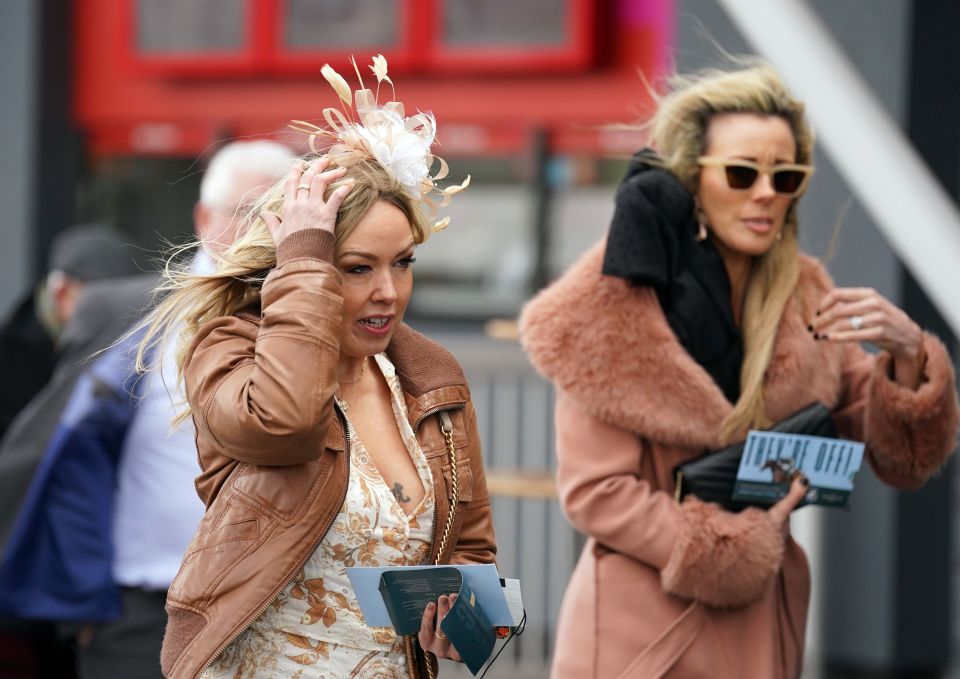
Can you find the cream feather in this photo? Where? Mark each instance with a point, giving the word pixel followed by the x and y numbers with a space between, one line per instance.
pixel 357 70
pixel 379 69
pixel 385 133
pixel 338 84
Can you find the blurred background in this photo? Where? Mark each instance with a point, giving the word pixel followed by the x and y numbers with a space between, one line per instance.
pixel 110 108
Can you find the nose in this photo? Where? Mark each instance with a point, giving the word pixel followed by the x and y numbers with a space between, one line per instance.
pixel 385 289
pixel 763 187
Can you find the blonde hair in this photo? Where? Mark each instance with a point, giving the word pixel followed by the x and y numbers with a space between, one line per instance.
pixel 188 300
pixel 678 132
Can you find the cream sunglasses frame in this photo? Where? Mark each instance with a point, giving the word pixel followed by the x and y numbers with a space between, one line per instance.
pixel 770 170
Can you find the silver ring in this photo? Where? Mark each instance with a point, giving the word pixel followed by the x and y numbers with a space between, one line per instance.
pixel 305 187
pixel 856 322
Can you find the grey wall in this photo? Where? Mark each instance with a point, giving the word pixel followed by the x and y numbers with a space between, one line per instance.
pixel 18 45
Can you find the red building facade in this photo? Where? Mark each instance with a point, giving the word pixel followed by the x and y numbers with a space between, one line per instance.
pixel 172 77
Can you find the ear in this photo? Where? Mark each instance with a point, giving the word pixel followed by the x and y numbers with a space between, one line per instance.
pixel 63 291
pixel 201 218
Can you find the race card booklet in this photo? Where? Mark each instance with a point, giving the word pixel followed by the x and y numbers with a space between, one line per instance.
pixel 771 460
pixel 397 596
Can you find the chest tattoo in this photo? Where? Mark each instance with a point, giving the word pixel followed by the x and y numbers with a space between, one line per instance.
pixel 398 493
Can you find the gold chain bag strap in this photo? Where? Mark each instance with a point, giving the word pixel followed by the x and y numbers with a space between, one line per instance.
pixel 446 427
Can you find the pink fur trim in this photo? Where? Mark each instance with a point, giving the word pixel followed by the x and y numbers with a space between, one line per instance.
pixel 609 345
pixel 723 559
pixel 912 433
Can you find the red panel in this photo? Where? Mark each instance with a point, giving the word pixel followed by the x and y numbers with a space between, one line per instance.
pixel 151 139
pixel 264 20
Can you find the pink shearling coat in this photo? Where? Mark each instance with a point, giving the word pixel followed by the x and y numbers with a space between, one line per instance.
pixel 689 590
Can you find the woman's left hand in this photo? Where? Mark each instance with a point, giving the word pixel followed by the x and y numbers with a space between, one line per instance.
pixel 864 315
pixel 431 636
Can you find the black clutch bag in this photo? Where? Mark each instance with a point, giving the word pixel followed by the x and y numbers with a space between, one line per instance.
pixel 711 477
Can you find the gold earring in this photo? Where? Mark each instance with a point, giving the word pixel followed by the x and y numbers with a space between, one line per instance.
pixel 701 221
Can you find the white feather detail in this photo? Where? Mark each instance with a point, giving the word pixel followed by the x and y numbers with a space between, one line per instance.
pixel 356 69
pixel 379 69
pixel 337 82
pixel 399 143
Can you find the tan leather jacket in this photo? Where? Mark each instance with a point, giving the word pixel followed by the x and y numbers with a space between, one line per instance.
pixel 274 453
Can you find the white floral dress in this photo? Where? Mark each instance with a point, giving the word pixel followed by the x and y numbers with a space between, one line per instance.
pixel 314 628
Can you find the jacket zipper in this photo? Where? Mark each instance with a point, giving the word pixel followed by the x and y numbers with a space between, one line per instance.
pixel 452 405
pixel 276 595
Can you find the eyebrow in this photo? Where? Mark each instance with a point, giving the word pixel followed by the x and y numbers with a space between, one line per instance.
pixel 776 161
pixel 367 255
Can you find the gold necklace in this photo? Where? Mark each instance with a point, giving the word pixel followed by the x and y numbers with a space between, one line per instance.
pixel 363 371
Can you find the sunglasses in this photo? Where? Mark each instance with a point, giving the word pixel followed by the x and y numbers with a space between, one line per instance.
pixel 787 179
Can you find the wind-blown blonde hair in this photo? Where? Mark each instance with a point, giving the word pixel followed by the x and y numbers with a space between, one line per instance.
pixel 187 300
pixel 678 132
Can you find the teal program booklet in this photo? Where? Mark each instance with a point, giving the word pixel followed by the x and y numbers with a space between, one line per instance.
pixel 406 594
pixel 396 596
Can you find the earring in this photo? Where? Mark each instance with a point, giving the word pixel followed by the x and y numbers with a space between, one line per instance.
pixel 779 236
pixel 701 221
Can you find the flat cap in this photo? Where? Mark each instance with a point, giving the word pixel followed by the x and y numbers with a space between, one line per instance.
pixel 91 252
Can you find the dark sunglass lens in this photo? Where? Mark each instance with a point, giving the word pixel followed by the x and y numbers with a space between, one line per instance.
pixel 740 177
pixel 787 181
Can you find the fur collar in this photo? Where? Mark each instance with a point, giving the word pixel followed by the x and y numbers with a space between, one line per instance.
pixel 610 346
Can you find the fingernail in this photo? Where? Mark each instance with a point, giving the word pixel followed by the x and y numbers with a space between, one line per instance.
pixel 430 606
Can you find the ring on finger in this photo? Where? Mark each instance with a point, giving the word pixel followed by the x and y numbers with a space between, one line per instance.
pixel 440 635
pixel 856 322
pixel 303 187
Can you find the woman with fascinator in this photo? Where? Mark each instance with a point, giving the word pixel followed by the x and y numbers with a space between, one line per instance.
pixel 696 320
pixel 330 434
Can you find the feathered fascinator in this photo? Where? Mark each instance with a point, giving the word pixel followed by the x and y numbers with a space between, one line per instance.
pixel 384 133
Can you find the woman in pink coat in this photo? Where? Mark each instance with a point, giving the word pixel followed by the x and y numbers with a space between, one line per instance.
pixel 696 320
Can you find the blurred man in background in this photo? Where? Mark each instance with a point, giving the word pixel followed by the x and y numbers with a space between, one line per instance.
pixel 30 342
pixel 29 336
pixel 112 432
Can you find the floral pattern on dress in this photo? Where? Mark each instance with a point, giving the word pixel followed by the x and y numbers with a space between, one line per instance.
pixel 314 629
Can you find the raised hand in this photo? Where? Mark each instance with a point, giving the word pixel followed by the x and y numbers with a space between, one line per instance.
pixel 304 206
pixel 864 315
